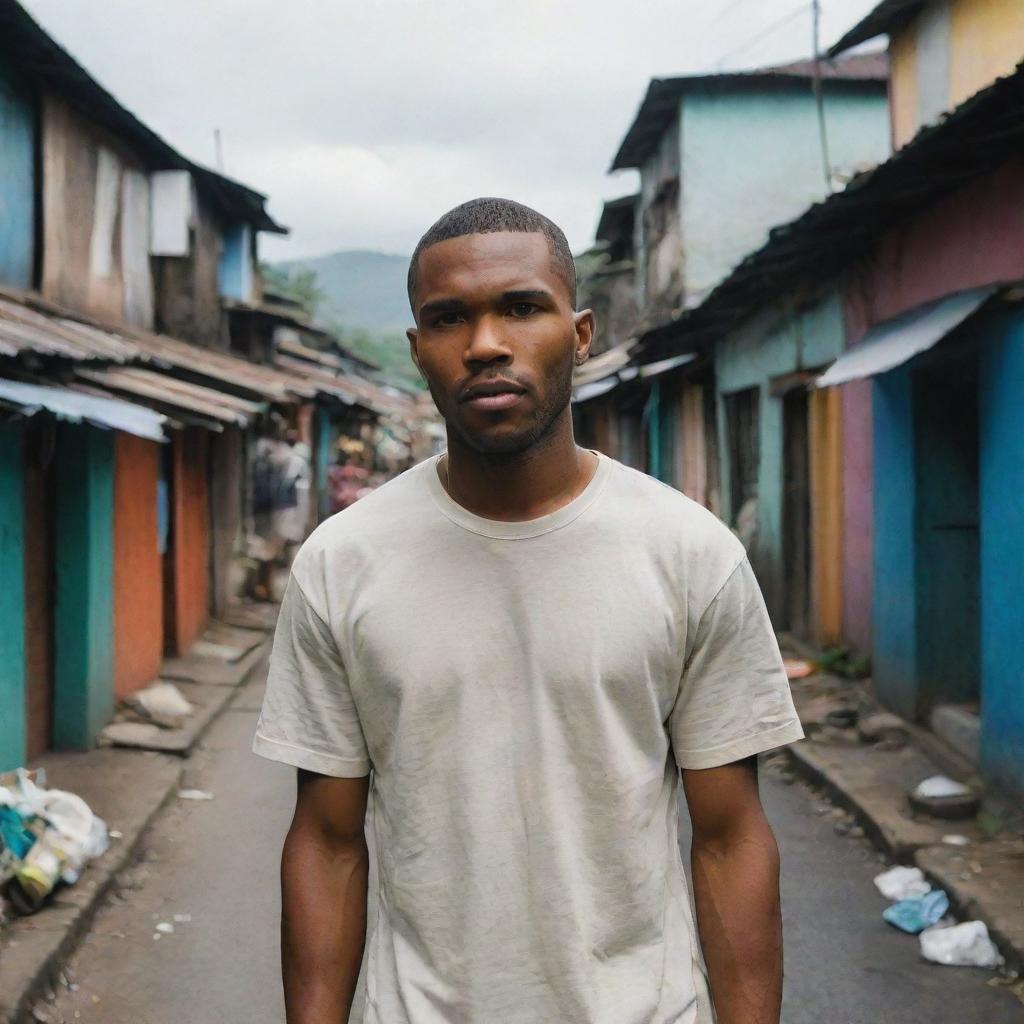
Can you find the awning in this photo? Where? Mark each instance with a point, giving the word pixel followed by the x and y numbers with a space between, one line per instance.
pixel 75 407
pixel 594 388
pixel 897 341
pixel 176 395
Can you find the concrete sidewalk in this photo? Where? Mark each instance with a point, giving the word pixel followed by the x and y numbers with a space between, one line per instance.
pixel 127 788
pixel 984 878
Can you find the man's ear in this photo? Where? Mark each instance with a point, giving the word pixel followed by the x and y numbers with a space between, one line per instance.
pixel 585 326
pixel 413 335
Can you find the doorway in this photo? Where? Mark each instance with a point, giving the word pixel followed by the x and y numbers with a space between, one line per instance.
pixel 948 564
pixel 796 512
pixel 40 584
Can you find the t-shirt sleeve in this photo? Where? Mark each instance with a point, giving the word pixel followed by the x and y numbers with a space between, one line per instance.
pixel 734 699
pixel 309 718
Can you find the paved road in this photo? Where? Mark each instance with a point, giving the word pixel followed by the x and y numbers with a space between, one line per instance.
pixel 217 862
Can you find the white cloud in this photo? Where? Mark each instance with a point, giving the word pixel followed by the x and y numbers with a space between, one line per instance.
pixel 364 122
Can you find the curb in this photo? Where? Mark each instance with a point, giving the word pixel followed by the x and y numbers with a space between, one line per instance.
pixel 97 882
pixel 909 843
pixel 35 956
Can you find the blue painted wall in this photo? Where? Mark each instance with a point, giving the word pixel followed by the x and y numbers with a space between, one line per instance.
pixel 1002 553
pixel 894 627
pixel 12 599
pixel 771 345
pixel 84 619
pixel 752 159
pixel 325 434
pixel 236 269
pixel 17 183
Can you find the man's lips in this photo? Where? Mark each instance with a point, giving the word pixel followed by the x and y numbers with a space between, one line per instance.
pixel 493 395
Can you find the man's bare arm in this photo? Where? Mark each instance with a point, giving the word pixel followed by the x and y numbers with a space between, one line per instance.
pixel 736 890
pixel 324 870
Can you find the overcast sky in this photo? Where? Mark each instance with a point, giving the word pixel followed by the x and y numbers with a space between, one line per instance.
pixel 363 122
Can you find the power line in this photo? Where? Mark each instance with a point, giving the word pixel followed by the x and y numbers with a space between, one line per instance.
pixel 766 31
pixel 727 11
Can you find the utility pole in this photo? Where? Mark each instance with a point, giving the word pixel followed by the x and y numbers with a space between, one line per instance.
pixel 819 95
pixel 218 149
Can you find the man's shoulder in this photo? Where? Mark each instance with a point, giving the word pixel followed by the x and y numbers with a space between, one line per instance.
pixel 665 509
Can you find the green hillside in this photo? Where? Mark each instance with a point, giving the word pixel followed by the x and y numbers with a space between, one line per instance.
pixel 362 295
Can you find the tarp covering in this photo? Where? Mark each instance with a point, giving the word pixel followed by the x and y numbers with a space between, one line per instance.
pixel 897 341
pixel 75 407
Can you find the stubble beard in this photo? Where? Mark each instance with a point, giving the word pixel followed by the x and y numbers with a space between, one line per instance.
pixel 512 446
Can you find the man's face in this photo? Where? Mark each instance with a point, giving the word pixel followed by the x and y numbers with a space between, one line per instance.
pixel 497 338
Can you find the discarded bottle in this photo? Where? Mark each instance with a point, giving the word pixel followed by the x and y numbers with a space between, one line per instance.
pixel 39 873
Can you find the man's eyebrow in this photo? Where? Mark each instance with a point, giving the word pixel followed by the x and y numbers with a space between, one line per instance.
pixel 527 295
pixel 441 306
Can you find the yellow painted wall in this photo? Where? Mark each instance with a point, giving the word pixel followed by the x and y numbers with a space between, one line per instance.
pixel 903 86
pixel 825 423
pixel 987 43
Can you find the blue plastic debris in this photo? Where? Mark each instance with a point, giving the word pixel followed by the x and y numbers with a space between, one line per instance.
pixel 913 916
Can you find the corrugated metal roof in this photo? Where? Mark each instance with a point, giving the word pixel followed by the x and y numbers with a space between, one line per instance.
pixel 176 394
pixel 352 389
pixel 25 329
pixel 75 407
pixel 883 19
pixel 31 324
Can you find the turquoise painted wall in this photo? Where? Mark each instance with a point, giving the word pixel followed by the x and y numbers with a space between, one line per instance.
pixel 752 160
pixel 84 616
pixel 12 599
pixel 894 628
pixel 771 345
pixel 17 183
pixel 1002 553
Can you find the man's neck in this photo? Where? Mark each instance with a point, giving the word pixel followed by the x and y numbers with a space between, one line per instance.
pixel 517 488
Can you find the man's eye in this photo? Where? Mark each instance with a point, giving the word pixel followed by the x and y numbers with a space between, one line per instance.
pixel 448 320
pixel 522 309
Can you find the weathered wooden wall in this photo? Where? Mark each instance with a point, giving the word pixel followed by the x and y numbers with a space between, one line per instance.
pixel 95 221
pixel 188 297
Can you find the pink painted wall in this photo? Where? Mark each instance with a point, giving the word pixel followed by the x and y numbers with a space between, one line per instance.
pixel 972 238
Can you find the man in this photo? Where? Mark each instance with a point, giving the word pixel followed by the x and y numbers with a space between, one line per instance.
pixel 524 641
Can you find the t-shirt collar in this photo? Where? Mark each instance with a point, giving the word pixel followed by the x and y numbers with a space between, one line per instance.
pixel 521 529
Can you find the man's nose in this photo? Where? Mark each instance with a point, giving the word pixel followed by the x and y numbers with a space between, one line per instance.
pixel 487 343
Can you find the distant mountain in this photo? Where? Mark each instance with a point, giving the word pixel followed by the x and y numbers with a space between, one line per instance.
pixel 361 289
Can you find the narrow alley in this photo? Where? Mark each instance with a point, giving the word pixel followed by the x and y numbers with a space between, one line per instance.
pixel 209 868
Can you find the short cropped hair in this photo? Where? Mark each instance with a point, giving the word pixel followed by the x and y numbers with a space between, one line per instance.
pixel 486 215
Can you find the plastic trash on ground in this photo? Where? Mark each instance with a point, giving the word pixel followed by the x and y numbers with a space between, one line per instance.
pixel 913 916
pixel 65 836
pixel 960 945
pixel 902 883
pixel 939 787
pixel 194 794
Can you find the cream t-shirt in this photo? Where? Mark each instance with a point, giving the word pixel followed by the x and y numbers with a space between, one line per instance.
pixel 523 693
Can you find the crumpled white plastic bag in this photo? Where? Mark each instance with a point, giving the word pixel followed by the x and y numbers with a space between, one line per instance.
pixel 902 883
pixel 961 945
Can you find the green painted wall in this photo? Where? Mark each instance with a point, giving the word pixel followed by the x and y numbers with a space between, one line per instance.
pixel 84 619
pixel 12 600
pixel 776 343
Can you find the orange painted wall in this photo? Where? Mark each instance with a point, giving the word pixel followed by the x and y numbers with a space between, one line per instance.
pixel 191 538
pixel 138 573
